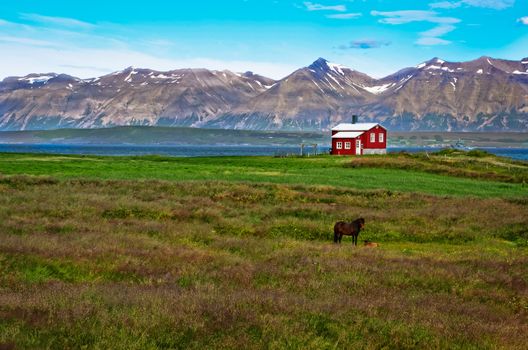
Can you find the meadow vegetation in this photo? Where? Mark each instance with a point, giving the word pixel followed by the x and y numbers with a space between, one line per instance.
pixel 393 172
pixel 156 252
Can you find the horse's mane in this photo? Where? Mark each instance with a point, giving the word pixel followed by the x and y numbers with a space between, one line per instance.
pixel 357 224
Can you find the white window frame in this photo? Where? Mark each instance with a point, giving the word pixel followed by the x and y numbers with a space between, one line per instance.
pixel 372 137
pixel 381 137
pixel 347 145
pixel 339 145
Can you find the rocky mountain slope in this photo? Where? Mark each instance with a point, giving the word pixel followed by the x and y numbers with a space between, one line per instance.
pixel 484 94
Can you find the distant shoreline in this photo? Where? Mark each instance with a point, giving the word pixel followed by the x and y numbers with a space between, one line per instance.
pixel 182 136
pixel 185 151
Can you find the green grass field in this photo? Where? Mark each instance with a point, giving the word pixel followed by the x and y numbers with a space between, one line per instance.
pixel 237 252
pixel 321 170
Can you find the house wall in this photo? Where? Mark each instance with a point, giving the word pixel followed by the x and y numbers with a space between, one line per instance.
pixel 377 130
pixel 368 146
pixel 343 151
pixel 369 151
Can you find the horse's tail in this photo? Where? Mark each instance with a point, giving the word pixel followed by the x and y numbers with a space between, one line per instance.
pixel 335 237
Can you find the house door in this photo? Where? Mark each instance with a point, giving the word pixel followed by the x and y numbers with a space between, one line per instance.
pixel 358 147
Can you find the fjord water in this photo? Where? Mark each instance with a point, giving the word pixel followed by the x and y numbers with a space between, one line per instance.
pixel 210 150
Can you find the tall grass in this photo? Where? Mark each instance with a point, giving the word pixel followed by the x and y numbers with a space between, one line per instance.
pixel 223 264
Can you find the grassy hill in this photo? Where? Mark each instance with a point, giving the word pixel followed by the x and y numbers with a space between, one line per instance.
pixel 236 252
pixel 472 139
pixel 163 135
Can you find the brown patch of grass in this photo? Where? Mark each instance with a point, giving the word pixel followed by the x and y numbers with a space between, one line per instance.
pixel 457 163
pixel 211 264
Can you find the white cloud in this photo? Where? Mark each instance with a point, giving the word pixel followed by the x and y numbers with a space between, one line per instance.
pixel 445 5
pixel 431 37
pixel 430 41
pixel 523 20
pixel 19 60
pixel 31 48
pixel 318 7
pixel 345 15
pixel 58 21
pixel 408 16
pixel 492 4
pixel 438 31
pixel 26 41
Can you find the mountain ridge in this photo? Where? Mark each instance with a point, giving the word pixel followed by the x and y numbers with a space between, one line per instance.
pixel 483 94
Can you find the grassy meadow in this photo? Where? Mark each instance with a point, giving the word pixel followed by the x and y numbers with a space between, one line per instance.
pixel 237 252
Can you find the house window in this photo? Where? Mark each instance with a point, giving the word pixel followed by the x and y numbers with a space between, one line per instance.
pixel 372 137
pixel 339 145
pixel 381 137
pixel 347 145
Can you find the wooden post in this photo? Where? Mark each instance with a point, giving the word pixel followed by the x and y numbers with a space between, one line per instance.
pixel 302 149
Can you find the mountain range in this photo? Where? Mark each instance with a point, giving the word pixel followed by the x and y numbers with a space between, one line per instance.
pixel 485 94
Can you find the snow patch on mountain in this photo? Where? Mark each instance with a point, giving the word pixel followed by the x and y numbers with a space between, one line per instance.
pixel 337 82
pixel 37 79
pixel 128 79
pixel 378 89
pixel 447 69
pixel 338 68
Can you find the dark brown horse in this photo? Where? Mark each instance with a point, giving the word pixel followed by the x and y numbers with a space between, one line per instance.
pixel 349 229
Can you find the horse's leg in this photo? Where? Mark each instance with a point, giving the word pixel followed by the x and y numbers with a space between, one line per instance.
pixel 354 239
pixel 335 237
pixel 340 237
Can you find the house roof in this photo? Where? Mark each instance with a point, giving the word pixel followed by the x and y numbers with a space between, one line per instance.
pixel 354 127
pixel 347 134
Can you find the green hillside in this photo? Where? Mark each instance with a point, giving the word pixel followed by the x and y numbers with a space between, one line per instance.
pixel 237 252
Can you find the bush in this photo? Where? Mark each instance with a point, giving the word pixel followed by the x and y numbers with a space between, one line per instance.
pixel 478 153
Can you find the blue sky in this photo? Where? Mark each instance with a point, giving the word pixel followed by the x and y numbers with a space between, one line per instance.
pixel 270 37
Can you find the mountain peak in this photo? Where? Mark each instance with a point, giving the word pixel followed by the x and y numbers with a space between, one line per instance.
pixel 319 63
pixel 322 64
pixel 484 59
pixel 436 60
pixel 431 62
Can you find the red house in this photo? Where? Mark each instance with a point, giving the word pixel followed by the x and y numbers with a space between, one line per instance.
pixel 358 139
